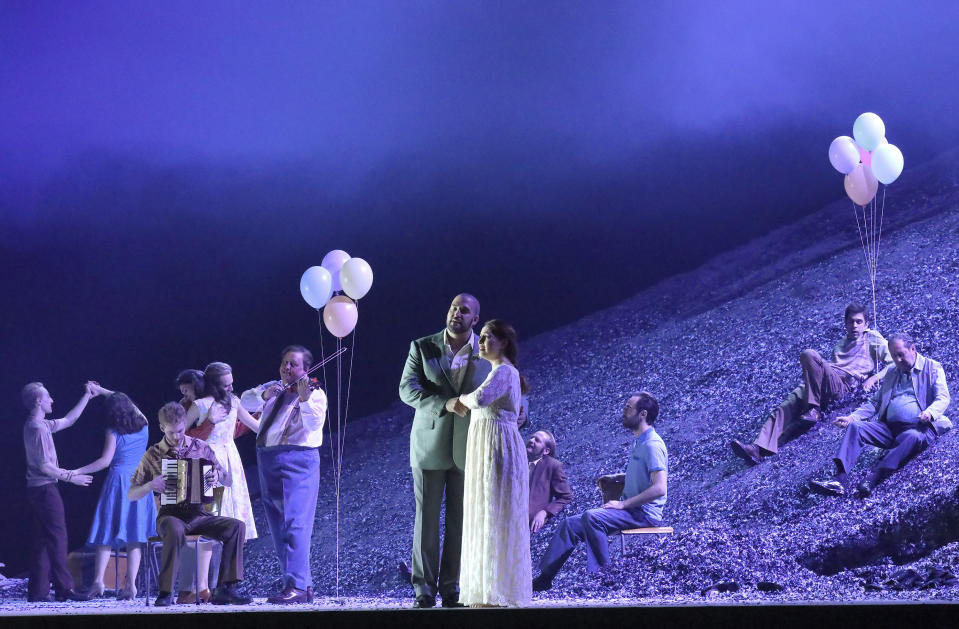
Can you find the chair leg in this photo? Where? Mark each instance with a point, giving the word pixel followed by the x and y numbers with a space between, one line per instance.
pixel 116 569
pixel 196 569
pixel 149 568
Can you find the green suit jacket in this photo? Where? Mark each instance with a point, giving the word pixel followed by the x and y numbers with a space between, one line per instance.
pixel 438 437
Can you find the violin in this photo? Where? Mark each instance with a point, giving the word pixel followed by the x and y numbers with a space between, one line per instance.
pixel 314 383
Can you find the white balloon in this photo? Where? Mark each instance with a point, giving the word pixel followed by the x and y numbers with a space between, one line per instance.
pixel 316 286
pixel 869 131
pixel 887 163
pixel 333 262
pixel 843 154
pixel 356 277
pixel 340 316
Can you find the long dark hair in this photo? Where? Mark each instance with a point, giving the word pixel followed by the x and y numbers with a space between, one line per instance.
pixel 123 415
pixel 505 332
pixel 212 375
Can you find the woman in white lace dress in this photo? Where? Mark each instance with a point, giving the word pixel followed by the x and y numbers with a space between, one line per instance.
pixel 221 408
pixel 495 566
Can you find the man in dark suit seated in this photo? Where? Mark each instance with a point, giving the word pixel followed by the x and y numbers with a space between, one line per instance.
pixel 549 493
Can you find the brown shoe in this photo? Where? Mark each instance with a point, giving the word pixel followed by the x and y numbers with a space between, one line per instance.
pixel 185 597
pixel 747 452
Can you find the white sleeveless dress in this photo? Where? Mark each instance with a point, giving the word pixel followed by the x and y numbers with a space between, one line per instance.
pixel 236 499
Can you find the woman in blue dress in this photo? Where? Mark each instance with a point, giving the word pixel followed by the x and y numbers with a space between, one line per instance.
pixel 119 522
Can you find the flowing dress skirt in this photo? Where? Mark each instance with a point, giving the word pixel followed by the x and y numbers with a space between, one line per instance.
pixel 496 567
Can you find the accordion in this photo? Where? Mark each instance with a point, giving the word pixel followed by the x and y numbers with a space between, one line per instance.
pixel 188 481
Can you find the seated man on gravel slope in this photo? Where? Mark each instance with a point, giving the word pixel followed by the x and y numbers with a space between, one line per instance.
pixel 856 362
pixel 904 416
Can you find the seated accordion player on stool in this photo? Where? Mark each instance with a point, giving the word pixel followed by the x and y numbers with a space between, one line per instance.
pixel 178 518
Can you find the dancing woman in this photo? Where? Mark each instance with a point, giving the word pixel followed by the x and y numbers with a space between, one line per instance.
pixel 496 567
pixel 118 522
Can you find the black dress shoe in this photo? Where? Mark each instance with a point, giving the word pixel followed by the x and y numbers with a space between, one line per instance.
pixel 423 601
pixel 227 595
pixel 865 487
pixel 452 601
pixel 291 596
pixel 542 583
pixel 164 599
pixel 70 595
pixel 42 599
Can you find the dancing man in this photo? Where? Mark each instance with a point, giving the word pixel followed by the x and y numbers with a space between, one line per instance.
pixel 291 431
pixel 49 556
pixel 438 370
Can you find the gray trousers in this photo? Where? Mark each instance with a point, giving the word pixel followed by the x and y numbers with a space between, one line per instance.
pixel 429 573
pixel 822 383
pixel 902 444
pixel 592 527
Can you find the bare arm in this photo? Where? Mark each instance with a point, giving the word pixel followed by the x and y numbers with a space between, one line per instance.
pixel 136 492
pixel 248 420
pixel 654 491
pixel 71 417
pixel 109 448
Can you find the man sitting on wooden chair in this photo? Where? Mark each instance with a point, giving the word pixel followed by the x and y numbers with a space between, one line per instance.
pixel 644 496
pixel 175 521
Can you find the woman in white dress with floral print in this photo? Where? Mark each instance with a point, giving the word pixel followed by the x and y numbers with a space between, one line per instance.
pixel 221 408
pixel 495 564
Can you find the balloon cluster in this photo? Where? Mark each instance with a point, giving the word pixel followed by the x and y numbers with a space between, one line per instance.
pixel 867 160
pixel 338 273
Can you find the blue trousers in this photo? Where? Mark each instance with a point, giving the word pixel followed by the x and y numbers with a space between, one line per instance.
pixel 289 483
pixel 902 444
pixel 592 527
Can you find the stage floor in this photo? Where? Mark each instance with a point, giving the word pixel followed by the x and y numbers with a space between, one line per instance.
pixel 354 612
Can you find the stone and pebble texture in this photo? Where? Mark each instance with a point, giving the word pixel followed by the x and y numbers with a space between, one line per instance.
pixel 719 346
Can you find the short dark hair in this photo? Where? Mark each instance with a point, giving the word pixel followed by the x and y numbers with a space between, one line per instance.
pixel 172 412
pixel 30 394
pixel 646 402
pixel 855 308
pixel 299 349
pixel 193 377
pixel 903 338
pixel 123 415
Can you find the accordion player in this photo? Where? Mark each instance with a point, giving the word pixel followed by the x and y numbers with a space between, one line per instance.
pixel 187 481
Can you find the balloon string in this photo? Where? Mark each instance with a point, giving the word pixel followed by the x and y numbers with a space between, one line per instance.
pixel 863 234
pixel 339 458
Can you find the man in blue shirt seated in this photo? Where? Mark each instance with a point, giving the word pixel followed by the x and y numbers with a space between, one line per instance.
pixel 907 416
pixel 644 496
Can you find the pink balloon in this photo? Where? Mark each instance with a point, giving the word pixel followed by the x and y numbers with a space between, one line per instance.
pixel 861 185
pixel 865 156
pixel 340 316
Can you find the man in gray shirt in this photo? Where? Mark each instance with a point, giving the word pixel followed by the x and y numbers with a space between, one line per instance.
pixel 644 497
pixel 906 417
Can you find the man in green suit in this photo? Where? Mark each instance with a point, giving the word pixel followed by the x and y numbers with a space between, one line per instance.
pixel 438 370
